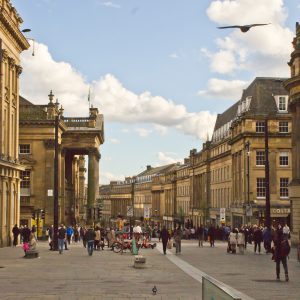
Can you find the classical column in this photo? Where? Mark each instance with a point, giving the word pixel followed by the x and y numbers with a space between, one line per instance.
pixel 93 176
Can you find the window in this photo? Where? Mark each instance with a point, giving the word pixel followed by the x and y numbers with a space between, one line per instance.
pixel 284 191
pixel 282 104
pixel 283 158
pixel 24 149
pixel 283 127
pixel 260 187
pixel 260 126
pixel 25 179
pixel 260 158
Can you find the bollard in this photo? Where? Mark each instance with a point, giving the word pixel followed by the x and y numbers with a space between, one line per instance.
pixel 139 261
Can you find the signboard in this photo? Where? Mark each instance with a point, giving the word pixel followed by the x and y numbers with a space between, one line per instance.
pixel 130 211
pixel 222 214
pixel 249 212
pixel 50 193
pixel 147 210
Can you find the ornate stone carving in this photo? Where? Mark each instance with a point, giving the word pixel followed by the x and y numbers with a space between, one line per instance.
pixel 49 144
pixel 19 70
pixel 11 62
pixel 4 55
pixel 95 152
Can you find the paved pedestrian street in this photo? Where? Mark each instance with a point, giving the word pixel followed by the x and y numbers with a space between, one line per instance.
pixel 108 275
pixel 251 274
pixel 105 275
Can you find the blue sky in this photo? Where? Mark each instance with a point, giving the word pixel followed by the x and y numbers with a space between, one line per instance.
pixel 159 71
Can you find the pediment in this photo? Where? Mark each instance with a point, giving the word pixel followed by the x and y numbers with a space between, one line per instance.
pixel 27 160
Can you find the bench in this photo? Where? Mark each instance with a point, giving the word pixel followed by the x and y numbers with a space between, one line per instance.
pixel 139 261
pixel 31 254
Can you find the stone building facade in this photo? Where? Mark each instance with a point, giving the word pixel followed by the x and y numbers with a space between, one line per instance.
pixel 212 185
pixel 12 43
pixel 293 86
pixel 78 139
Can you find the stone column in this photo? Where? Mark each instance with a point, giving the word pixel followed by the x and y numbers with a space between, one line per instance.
pixel 93 176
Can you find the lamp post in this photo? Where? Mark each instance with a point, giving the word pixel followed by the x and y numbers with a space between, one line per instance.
pixel 247 148
pixel 267 176
pixel 55 204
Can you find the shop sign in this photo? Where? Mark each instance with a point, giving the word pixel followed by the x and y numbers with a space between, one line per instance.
pixel 249 212
pixel 147 210
pixel 279 211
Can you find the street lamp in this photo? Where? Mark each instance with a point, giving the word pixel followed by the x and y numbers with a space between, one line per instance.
pixel 267 176
pixel 248 209
pixel 55 204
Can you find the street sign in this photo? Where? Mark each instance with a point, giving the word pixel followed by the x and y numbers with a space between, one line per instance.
pixel 130 211
pixel 222 214
pixel 147 210
pixel 50 193
pixel 249 212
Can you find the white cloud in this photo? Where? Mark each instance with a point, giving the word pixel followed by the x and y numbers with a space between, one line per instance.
pixel 224 89
pixel 118 104
pixel 165 158
pixel 106 177
pixel 174 55
pixel 162 130
pixel 114 141
pixel 110 4
pixel 263 50
pixel 125 130
pixel 143 132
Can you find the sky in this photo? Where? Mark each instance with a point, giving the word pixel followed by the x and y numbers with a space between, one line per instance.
pixel 159 71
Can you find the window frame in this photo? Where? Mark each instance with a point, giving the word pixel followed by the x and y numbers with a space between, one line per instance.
pixel 261 157
pixel 25 177
pixel 283 158
pixel 24 152
pixel 260 187
pixel 280 127
pixel 260 127
pixel 283 188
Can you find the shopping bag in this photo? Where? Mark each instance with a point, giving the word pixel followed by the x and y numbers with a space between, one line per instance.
pixel 169 245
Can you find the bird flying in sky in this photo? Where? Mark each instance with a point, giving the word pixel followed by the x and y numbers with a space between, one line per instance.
pixel 243 28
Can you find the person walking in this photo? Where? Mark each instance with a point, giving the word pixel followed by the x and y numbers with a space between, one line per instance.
pixel 267 238
pixel 26 234
pixel 90 237
pixel 232 240
pixel 200 235
pixel 211 234
pixel 286 232
pixel 257 237
pixel 241 241
pixel 16 233
pixel 97 239
pixel 281 251
pixel 177 239
pixel 165 238
pixel 70 232
pixel 61 234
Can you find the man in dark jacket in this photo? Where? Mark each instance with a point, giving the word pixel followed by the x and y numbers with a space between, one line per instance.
pixel 281 251
pixel 16 233
pixel 26 234
pixel 257 237
pixel 89 237
pixel 164 238
pixel 211 234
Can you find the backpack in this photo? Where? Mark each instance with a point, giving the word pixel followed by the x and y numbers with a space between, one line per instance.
pixel 285 248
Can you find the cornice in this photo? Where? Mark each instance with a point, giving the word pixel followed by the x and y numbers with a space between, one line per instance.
pixel 11 29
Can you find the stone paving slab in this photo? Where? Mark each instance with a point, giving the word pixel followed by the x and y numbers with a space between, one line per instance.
pixel 105 275
pixel 251 274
